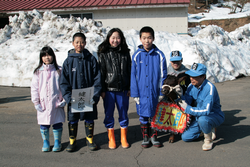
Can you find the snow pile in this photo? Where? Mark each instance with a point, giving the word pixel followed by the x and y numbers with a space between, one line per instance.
pixel 226 55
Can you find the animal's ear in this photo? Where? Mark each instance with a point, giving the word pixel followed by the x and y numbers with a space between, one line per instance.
pixel 181 76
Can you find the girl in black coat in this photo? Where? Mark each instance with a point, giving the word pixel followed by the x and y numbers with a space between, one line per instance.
pixel 115 64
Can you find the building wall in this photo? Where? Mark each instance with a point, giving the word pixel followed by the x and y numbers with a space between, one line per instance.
pixel 173 20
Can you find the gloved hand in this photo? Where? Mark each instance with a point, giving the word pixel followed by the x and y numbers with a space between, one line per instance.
pixel 92 101
pixel 160 98
pixel 39 108
pixel 62 103
pixel 183 104
pixel 137 100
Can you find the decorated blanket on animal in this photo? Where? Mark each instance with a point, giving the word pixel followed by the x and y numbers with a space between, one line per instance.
pixel 170 117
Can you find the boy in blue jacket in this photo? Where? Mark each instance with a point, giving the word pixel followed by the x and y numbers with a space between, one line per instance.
pixel 205 109
pixel 148 72
pixel 80 70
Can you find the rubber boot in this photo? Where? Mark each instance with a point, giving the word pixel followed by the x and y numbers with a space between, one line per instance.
pixel 89 129
pixel 57 138
pixel 154 140
pixel 72 137
pixel 45 136
pixel 145 134
pixel 124 137
pixel 111 135
pixel 208 142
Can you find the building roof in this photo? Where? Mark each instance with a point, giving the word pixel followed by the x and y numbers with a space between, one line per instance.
pixel 7 6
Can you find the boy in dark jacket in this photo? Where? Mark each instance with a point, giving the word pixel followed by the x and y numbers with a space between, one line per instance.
pixel 80 70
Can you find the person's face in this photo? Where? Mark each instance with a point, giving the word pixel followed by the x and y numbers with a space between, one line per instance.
pixel 147 40
pixel 47 59
pixel 176 64
pixel 79 44
pixel 115 39
pixel 197 81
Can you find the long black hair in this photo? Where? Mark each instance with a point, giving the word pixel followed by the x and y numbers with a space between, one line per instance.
pixel 103 47
pixel 50 52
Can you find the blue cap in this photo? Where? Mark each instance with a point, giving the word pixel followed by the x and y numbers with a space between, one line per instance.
pixel 175 56
pixel 196 70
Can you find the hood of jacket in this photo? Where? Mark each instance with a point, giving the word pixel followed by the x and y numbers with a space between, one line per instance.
pixel 85 53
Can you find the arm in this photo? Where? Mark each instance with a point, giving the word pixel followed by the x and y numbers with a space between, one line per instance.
pixel 204 106
pixel 164 71
pixel 65 86
pixel 134 91
pixel 102 66
pixel 35 96
pixel 97 80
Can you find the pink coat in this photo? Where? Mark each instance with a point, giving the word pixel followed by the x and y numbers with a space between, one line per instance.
pixel 45 90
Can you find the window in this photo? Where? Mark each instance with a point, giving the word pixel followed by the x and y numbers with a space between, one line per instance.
pixel 87 15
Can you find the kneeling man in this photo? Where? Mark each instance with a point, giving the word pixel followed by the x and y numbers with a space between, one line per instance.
pixel 205 108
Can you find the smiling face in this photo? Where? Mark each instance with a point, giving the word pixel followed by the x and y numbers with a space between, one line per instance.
pixel 197 81
pixel 115 39
pixel 79 44
pixel 176 64
pixel 147 40
pixel 47 59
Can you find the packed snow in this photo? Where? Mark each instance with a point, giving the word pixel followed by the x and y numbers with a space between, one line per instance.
pixel 226 55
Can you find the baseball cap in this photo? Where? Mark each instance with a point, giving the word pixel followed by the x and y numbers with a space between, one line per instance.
pixel 196 70
pixel 175 56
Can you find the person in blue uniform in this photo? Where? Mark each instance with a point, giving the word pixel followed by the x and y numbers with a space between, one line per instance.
pixel 205 108
pixel 148 72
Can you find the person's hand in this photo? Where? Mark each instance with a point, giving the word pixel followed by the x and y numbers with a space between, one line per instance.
pixel 92 101
pixel 72 100
pixel 137 100
pixel 103 95
pixel 62 103
pixel 160 98
pixel 183 104
pixel 39 108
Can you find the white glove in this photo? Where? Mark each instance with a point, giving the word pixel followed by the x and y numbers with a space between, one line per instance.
pixel 137 100
pixel 183 104
pixel 39 108
pixel 160 98
pixel 62 103
pixel 92 101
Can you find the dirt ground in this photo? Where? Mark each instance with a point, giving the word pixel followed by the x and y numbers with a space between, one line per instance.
pixel 227 24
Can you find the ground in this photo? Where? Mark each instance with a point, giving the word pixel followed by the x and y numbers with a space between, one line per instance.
pixel 227 24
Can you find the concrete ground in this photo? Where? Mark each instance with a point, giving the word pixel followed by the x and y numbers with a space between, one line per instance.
pixel 21 142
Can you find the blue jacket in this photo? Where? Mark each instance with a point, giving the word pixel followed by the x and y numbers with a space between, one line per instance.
pixel 148 72
pixel 80 71
pixel 206 98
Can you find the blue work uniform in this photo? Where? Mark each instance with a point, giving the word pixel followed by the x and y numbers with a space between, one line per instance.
pixel 206 110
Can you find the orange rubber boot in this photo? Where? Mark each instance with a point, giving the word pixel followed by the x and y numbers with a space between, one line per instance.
pixel 111 135
pixel 124 137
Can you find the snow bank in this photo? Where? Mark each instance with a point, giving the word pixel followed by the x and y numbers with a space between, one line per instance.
pixel 226 55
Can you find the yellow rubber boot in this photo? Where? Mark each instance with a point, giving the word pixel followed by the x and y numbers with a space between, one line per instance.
pixel 124 137
pixel 111 135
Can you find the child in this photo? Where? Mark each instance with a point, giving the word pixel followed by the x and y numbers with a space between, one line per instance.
pixel 148 72
pixel 80 70
pixel 115 63
pixel 47 98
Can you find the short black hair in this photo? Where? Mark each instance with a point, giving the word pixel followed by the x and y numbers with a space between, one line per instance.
pixel 147 29
pixel 79 34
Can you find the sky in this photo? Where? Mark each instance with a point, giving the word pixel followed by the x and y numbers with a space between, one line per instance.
pixel 225 56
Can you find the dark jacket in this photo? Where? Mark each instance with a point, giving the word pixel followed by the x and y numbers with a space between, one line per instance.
pixel 115 70
pixel 80 71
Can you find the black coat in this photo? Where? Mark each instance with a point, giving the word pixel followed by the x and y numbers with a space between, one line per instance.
pixel 115 68
pixel 80 70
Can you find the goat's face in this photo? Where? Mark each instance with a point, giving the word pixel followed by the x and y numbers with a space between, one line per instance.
pixel 170 81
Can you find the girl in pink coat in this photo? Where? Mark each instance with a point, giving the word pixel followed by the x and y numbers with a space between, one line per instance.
pixel 47 98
